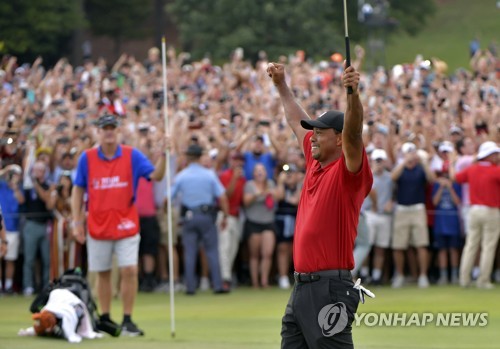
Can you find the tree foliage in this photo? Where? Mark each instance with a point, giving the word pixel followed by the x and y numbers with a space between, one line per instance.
pixel 279 26
pixel 412 15
pixel 118 19
pixel 29 28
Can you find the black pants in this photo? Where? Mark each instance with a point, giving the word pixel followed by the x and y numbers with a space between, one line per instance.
pixel 320 311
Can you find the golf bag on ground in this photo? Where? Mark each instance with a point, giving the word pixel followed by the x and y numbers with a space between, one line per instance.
pixel 74 281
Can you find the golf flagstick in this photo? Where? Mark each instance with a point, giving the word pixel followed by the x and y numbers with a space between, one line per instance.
pixel 347 45
pixel 169 202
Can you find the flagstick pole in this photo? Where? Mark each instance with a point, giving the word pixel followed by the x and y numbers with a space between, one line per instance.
pixel 169 201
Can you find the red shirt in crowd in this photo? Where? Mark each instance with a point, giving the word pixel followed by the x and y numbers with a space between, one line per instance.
pixel 484 183
pixel 145 198
pixel 236 198
pixel 328 213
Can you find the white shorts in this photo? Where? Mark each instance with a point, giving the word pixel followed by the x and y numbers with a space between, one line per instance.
pixel 13 240
pixel 100 252
pixel 380 227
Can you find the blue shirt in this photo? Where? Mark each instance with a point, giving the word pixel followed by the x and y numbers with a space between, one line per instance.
pixel 411 186
pixel 251 160
pixel 10 207
pixel 197 186
pixel 141 166
pixel 446 220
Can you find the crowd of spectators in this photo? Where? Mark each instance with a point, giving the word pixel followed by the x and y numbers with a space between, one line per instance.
pixel 416 114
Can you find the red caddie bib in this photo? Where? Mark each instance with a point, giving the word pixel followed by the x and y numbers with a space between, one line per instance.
pixel 112 214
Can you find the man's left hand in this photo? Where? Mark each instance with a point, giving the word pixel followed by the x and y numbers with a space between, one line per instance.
pixel 350 78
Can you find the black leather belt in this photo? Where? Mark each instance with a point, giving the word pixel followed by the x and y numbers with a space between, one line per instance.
pixel 203 209
pixel 312 277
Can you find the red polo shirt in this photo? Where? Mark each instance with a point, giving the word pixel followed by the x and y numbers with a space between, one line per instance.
pixel 484 183
pixel 328 213
pixel 236 198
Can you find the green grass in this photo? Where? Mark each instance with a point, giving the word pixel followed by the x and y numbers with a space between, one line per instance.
pixel 448 33
pixel 249 319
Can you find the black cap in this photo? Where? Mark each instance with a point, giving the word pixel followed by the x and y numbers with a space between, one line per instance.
pixel 107 120
pixel 194 150
pixel 330 119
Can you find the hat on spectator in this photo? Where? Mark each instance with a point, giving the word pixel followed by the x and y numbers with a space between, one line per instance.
pixel 446 147
pixel 378 154
pixel 43 150
pixel 486 149
pixel 336 57
pixel 330 119
pixel 107 120
pixel 194 150
pixel 455 130
pixel 382 129
pixel 408 148
pixel 237 156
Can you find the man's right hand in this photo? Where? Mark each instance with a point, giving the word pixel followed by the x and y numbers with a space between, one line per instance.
pixel 276 71
pixel 79 233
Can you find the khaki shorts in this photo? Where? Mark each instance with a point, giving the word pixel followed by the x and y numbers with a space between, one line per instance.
pixel 161 215
pixel 410 227
pixel 380 228
pixel 100 252
pixel 13 241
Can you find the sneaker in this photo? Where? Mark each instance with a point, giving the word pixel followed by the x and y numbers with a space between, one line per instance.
pixel 130 329
pixel 28 291
pixel 222 291
pixel 179 287
pixel 464 283
pixel 497 276
pixel 398 281
pixel 204 284
pixel 443 280
pixel 284 282
pixel 163 287
pixel 485 285
pixel 109 326
pixel 423 281
pixel 147 286
pixel 226 284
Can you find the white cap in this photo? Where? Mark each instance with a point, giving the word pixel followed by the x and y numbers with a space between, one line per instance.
pixel 143 126
pixel 446 146
pixel 378 154
pixel 455 129
pixel 408 147
pixel 486 149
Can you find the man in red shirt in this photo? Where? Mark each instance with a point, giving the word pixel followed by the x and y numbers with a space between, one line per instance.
pixel 233 179
pixel 338 178
pixel 483 221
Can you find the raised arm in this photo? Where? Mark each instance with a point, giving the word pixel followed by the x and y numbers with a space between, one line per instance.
pixel 293 111
pixel 352 142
